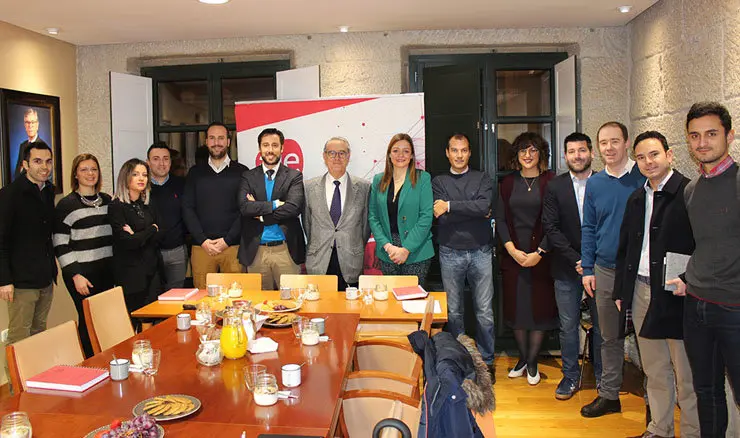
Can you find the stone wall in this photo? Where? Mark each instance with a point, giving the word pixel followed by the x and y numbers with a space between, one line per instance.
pixel 360 63
pixel 683 51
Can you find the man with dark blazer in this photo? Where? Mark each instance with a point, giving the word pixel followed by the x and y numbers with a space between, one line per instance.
pixel 31 125
pixel 656 222
pixel 562 215
pixel 271 200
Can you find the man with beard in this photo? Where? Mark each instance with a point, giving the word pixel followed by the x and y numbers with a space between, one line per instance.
pixel 210 208
pixel 562 217
pixel 271 200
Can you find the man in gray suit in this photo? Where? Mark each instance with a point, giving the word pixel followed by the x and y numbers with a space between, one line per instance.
pixel 335 218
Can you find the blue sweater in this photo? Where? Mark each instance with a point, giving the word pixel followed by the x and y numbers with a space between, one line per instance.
pixel 603 210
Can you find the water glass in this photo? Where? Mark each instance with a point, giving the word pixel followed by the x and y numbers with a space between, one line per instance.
pixel 16 425
pixel 142 352
pixel 203 312
pixel 265 390
pixel 251 373
pixel 367 296
pixel 298 326
pixel 152 366
pixel 298 294
pixel 309 333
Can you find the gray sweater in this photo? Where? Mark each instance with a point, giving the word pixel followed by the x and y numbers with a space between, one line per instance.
pixel 713 272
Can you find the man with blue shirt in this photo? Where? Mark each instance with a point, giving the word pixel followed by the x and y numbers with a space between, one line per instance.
pixel 603 209
pixel 271 199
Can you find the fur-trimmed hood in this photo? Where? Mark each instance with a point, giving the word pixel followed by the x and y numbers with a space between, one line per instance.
pixel 481 398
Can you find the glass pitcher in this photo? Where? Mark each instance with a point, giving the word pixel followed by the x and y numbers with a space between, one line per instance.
pixel 233 337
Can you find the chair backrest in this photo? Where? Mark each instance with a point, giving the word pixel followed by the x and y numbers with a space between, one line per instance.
pixel 58 345
pixel 248 281
pixel 390 281
pixel 362 410
pixel 426 321
pixel 325 283
pixel 107 319
pixel 387 355
pixel 358 380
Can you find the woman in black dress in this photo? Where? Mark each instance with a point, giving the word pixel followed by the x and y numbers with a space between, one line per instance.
pixel 135 235
pixel 82 239
pixel 529 298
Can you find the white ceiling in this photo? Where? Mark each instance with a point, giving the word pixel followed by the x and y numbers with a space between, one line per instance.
pixel 85 22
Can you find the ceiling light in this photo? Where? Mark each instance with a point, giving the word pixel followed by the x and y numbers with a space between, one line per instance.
pixel 624 9
pixel 344 29
pixel 214 2
pixel 52 31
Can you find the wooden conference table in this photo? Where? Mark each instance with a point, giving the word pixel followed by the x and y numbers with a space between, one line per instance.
pixel 227 406
pixel 329 303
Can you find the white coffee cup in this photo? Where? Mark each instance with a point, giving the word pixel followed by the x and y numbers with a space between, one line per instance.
pixel 291 375
pixel 119 369
pixel 351 293
pixel 183 321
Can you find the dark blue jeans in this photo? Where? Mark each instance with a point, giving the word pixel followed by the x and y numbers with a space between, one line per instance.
pixel 712 340
pixel 475 265
pixel 568 297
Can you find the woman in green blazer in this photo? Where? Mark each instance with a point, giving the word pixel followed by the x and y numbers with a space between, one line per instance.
pixel 401 212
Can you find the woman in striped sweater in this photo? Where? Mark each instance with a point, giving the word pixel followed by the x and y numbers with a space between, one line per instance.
pixel 83 239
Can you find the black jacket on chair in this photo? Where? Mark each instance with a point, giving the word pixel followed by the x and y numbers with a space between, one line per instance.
pixel 562 224
pixel 670 231
pixel 288 188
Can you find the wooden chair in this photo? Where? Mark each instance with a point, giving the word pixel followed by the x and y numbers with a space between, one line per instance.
pixel 58 345
pixel 248 281
pixel 399 329
pixel 362 410
pixel 107 319
pixel 325 283
pixel 390 281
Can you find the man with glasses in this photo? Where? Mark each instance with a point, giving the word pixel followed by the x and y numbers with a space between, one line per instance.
pixel 31 125
pixel 335 218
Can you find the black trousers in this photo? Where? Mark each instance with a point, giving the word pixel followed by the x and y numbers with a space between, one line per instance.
pixel 102 281
pixel 334 269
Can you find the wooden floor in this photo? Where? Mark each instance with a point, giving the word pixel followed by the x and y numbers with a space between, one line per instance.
pixel 533 411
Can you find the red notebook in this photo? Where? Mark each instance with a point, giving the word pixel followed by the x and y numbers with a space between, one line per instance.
pixel 67 378
pixel 177 295
pixel 409 293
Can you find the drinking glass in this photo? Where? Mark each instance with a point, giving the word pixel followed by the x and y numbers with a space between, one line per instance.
pixel 152 366
pixel 265 390
pixel 367 295
pixel 16 425
pixel 251 373
pixel 141 352
pixel 298 294
pixel 298 326
pixel 204 312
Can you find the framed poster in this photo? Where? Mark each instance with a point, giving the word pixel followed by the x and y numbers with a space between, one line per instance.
pixel 26 118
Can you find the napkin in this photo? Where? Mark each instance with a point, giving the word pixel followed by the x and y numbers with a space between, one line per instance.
pixel 198 322
pixel 259 321
pixel 262 345
pixel 135 368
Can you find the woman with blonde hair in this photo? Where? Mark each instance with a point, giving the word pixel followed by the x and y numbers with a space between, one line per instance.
pixel 400 212
pixel 82 238
pixel 135 235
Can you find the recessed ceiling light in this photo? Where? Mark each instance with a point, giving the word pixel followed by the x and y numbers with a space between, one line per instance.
pixel 624 9
pixel 52 31
pixel 344 29
pixel 214 2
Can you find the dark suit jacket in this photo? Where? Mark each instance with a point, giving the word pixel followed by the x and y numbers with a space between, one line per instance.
pixel 135 256
pixel 670 230
pixel 562 224
pixel 288 188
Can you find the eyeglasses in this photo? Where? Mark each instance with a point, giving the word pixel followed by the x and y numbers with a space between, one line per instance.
pixel 532 151
pixel 337 154
pixel 30 122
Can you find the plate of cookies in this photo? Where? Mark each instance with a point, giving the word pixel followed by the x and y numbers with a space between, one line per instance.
pixel 168 407
pixel 277 320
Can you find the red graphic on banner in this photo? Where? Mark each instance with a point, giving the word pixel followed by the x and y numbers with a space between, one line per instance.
pixel 250 116
pixel 292 155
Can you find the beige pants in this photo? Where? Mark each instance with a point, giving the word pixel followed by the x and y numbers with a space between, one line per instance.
pixel 272 262
pixel 665 363
pixel 227 262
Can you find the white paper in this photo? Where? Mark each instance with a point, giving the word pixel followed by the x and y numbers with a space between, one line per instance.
pixel 262 345
pixel 675 264
pixel 419 306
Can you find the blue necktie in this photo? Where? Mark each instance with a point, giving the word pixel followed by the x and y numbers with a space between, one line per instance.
pixel 336 204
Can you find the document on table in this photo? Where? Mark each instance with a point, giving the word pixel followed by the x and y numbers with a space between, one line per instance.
pixel 674 265
pixel 418 306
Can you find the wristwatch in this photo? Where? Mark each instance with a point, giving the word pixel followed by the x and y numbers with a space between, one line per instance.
pixel 540 252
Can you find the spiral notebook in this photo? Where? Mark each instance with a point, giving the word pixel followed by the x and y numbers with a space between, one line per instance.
pixel 68 378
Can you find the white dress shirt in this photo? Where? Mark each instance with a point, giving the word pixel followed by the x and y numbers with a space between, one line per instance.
pixel 329 188
pixel 224 164
pixel 265 169
pixel 579 188
pixel 627 169
pixel 644 268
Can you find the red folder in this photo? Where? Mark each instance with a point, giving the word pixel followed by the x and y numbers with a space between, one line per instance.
pixel 177 295
pixel 67 378
pixel 409 293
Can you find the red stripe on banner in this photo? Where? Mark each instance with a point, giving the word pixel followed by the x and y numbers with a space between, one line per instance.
pixel 252 115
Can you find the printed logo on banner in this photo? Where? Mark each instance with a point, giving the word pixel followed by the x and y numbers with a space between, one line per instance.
pixel 292 155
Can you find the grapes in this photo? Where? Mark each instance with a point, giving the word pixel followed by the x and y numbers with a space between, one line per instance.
pixel 143 426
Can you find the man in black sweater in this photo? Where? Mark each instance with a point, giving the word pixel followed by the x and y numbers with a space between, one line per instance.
pixel 711 323
pixel 210 208
pixel 27 266
pixel 167 192
pixel 462 206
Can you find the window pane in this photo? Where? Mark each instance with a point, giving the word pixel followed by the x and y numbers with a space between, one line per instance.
pixel 508 132
pixel 523 93
pixel 245 89
pixel 183 103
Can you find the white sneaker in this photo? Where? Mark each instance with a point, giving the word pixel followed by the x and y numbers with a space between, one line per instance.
pixel 514 373
pixel 533 380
